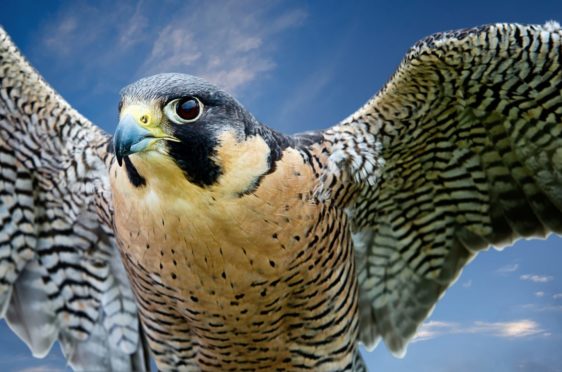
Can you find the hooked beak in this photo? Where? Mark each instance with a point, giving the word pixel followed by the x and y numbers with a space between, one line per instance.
pixel 130 138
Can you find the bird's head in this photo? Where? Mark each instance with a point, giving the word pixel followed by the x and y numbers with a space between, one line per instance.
pixel 177 120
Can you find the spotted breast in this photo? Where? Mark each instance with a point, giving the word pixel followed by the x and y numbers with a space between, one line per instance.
pixel 255 281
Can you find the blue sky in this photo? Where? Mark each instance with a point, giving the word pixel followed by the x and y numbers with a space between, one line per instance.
pixel 300 65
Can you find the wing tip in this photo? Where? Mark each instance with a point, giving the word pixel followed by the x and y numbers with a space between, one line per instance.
pixel 552 26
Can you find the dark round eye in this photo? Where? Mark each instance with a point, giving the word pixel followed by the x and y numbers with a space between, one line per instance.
pixel 188 109
pixel 184 110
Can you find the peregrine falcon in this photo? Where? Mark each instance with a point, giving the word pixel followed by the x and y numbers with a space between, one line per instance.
pixel 221 244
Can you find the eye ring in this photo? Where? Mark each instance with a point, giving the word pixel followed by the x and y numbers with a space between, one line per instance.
pixel 184 110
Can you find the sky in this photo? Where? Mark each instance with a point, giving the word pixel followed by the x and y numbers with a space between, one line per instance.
pixel 302 65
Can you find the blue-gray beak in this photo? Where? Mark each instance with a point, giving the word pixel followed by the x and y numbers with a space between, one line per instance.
pixel 130 138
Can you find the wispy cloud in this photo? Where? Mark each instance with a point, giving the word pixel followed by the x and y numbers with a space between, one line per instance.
pixel 557 296
pixel 517 329
pixel 133 30
pixel 467 284
pixel 81 24
pixel 539 294
pixel 534 366
pixel 433 328
pixel 307 91
pixel 542 307
pixel 536 278
pixel 508 269
pixel 511 330
pixel 231 43
pixel 45 368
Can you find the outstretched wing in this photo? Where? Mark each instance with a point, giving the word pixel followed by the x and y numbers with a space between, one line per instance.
pixel 461 150
pixel 61 277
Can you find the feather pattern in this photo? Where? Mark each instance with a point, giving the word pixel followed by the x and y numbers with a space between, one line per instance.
pixel 467 141
pixel 61 277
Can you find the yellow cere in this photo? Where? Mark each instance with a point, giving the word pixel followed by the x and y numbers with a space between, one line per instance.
pixel 148 117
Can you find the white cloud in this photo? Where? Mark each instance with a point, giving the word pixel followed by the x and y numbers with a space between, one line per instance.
pixel 230 43
pixel 432 329
pixel 57 38
pixel 557 296
pixel 508 268
pixel 467 284
pixel 308 90
pixel 173 47
pixel 541 308
pixel 536 278
pixel 80 24
pixel 539 294
pixel 516 329
pixel 134 27
pixel 45 368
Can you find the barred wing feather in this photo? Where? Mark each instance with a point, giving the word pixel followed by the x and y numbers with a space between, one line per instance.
pixel 61 277
pixel 461 150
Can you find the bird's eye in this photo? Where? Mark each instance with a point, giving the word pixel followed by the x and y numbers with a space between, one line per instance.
pixel 188 109
pixel 184 110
